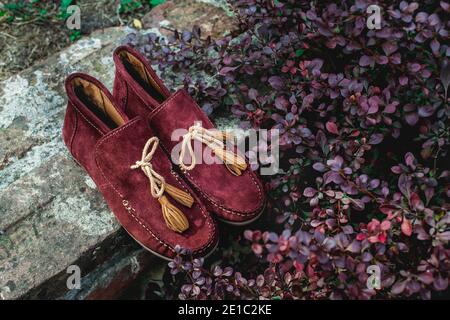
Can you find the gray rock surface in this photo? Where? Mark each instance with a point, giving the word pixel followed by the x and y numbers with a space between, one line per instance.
pixel 212 16
pixel 51 215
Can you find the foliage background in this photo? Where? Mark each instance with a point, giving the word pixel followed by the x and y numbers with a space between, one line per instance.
pixel 31 30
pixel 364 116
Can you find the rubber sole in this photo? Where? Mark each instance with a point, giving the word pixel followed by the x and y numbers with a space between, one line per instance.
pixel 150 250
pixel 166 258
pixel 243 223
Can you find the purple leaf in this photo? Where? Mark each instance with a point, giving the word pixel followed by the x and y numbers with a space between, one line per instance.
pixel 414 67
pixel 422 17
pixel 253 94
pixel 318 166
pixel 358 204
pixel 412 118
pixel 434 20
pixel 403 80
pixel 440 283
pixel 226 70
pixel 335 163
pixel 373 105
pixel 426 277
pixel 398 287
pixel 426 111
pixel 309 192
pixel 374 183
pixel 276 82
pixel 389 48
pixel 365 61
pixel 281 103
pixel 435 45
pixel 396 169
pixel 187 36
pixel 382 60
pixel 421 233
pixel 409 160
pixel 444 236
pixel 445 6
pixel 376 138
pixel 332 128
pixel 332 176
pixel 354 247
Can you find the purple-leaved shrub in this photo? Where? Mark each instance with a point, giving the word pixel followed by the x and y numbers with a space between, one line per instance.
pixel 364 122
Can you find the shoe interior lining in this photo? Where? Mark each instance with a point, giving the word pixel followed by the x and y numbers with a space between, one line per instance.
pixel 94 98
pixel 140 73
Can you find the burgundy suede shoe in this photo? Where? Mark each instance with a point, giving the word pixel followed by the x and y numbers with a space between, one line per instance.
pixel 123 157
pixel 227 187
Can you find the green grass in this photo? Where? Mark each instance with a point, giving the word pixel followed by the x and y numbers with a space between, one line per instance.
pixel 20 11
pixel 127 6
pixel 39 9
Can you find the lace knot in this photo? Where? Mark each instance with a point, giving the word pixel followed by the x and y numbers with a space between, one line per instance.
pixel 215 140
pixel 174 218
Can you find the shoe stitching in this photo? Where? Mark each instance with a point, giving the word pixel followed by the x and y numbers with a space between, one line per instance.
pixel 143 101
pixel 222 207
pixel 81 113
pixel 125 100
pixel 236 212
pixel 210 198
pixel 74 132
pixel 199 251
pixel 162 105
pixel 96 152
pixel 146 228
pixel 211 225
pixel 206 195
pixel 135 92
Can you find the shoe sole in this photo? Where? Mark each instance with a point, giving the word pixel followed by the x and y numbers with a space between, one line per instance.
pixel 164 257
pixel 243 223
pixel 150 250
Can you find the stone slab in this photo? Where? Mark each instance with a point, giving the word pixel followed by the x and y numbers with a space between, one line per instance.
pixel 51 215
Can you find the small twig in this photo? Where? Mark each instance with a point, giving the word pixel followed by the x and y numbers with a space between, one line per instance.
pixel 168 29
pixel 367 192
pixel 435 159
pixel 7 35
pixel 118 15
pixel 32 51
pixel 26 22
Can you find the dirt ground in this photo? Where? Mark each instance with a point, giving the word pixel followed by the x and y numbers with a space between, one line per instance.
pixel 27 40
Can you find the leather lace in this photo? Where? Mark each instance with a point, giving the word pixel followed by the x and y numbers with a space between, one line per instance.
pixel 174 217
pixel 214 139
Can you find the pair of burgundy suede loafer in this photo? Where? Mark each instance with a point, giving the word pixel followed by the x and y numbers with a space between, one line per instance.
pixel 125 140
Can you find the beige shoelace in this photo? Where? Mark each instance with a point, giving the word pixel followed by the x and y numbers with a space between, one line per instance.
pixel 214 139
pixel 174 218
